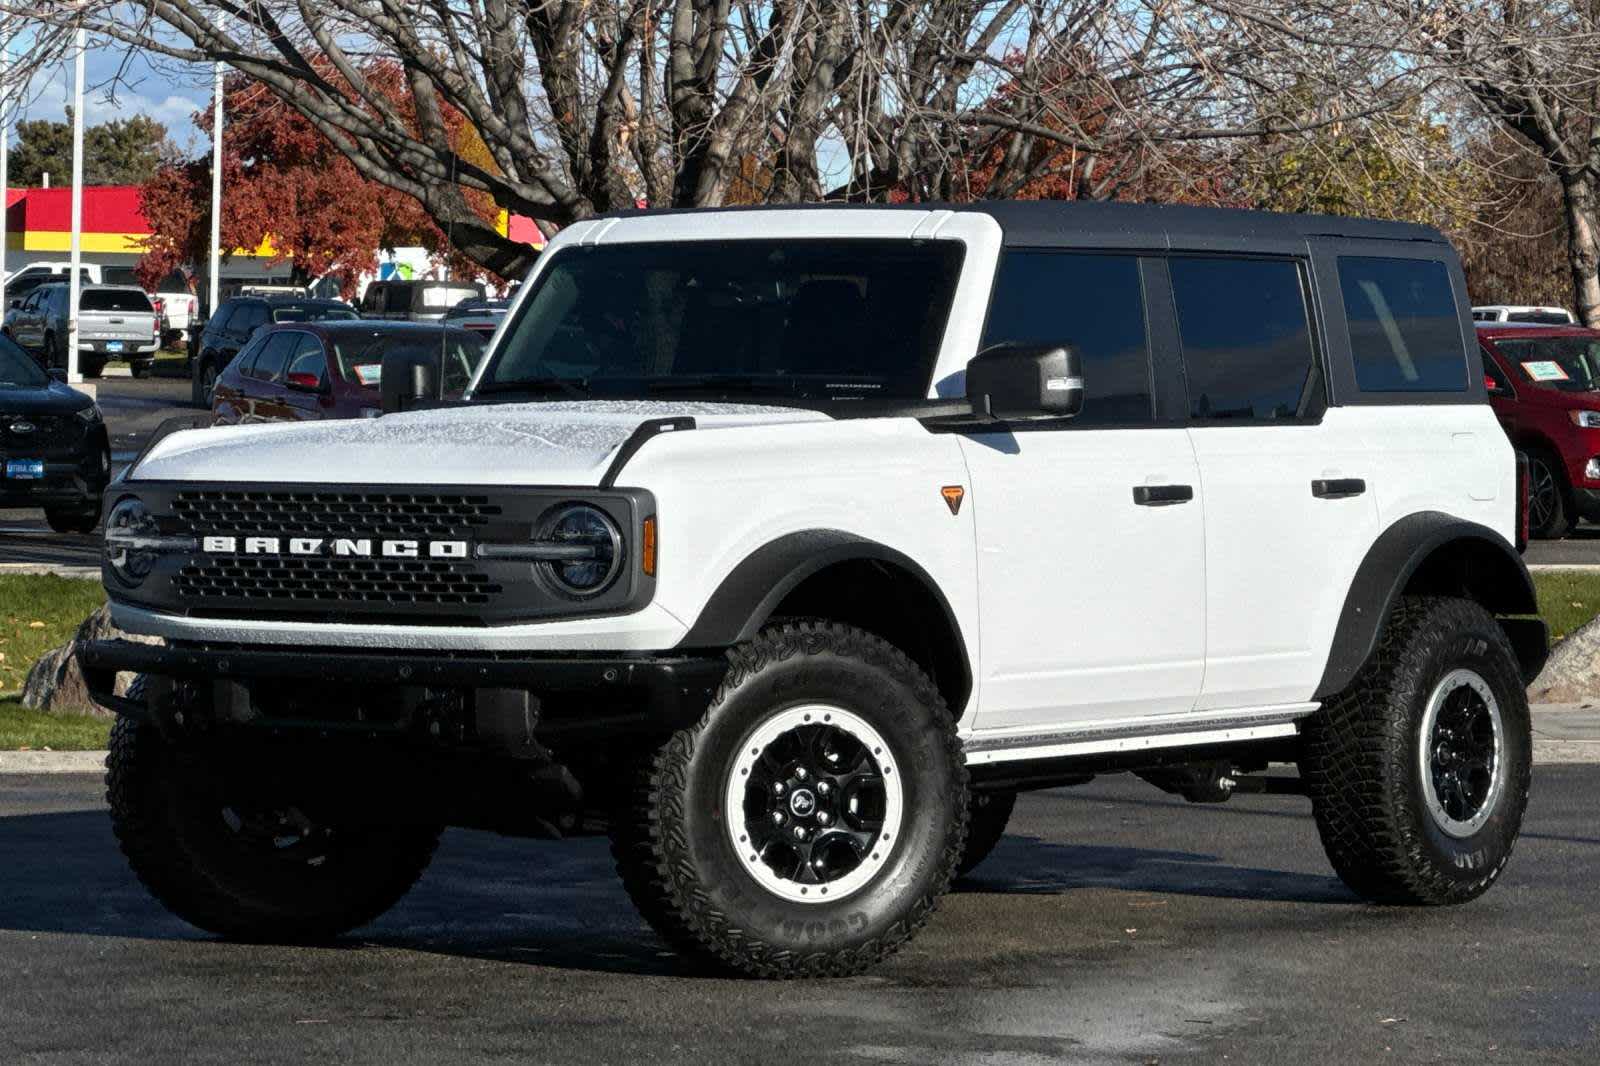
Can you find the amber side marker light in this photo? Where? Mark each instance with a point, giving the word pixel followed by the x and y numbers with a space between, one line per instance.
pixel 953 495
pixel 647 547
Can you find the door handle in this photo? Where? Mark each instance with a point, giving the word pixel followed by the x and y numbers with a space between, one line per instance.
pixel 1162 495
pixel 1338 488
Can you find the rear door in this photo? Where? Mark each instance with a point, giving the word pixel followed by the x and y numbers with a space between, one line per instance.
pixel 1091 559
pixel 1289 510
pixel 263 388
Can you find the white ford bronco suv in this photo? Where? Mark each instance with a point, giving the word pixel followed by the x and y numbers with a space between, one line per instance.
pixel 786 546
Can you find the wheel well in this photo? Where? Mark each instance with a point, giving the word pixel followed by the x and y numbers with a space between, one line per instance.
pixel 891 602
pixel 1475 569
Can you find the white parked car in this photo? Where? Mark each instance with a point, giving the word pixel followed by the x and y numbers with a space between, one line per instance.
pixel 1543 316
pixel 787 546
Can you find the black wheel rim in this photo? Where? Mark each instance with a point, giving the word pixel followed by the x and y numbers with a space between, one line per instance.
pixel 284 834
pixel 1461 753
pixel 814 803
pixel 1542 491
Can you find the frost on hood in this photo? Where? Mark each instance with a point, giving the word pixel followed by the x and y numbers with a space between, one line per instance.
pixel 528 442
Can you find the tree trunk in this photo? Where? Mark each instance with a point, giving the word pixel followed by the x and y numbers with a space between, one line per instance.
pixel 1583 246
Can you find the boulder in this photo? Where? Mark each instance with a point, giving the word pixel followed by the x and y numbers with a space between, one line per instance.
pixel 1572 673
pixel 55 683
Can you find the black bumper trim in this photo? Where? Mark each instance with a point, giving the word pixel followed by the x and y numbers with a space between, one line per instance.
pixel 674 688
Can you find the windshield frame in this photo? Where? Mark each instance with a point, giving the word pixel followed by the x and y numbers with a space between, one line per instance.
pixel 483 388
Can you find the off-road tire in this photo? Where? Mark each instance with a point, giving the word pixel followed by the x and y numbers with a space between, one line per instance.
pixel 152 789
pixel 986 827
pixel 674 851
pixel 1560 519
pixel 1361 760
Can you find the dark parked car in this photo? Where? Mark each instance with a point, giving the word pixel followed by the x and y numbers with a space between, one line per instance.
pixel 237 318
pixel 54 452
pixel 1544 384
pixel 296 372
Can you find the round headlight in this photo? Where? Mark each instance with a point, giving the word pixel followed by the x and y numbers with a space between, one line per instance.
pixel 589 528
pixel 129 520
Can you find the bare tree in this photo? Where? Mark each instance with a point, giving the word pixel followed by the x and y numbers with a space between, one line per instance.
pixel 594 105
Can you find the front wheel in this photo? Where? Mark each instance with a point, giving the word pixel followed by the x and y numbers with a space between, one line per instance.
pixel 242 868
pixel 1418 772
pixel 809 822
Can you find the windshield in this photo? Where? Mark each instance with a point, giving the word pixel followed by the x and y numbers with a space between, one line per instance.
pixel 1571 364
pixel 360 356
pixel 817 321
pixel 17 369
pixel 312 314
pixel 113 300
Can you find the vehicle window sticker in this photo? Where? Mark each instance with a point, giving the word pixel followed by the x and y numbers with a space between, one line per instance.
pixel 1545 370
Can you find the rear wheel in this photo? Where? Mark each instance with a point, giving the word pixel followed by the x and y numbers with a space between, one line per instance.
pixel 243 868
pixel 1419 771
pixel 810 821
pixel 986 827
pixel 1548 514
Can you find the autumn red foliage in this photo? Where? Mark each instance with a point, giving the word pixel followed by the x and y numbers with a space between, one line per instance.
pixel 285 183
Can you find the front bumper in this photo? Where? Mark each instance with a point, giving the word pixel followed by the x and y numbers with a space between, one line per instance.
pixel 487 700
pixel 1588 503
pixel 75 482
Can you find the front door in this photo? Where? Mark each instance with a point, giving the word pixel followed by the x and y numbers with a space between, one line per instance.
pixel 1090 539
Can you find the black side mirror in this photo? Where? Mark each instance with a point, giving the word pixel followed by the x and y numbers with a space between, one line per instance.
pixel 410 379
pixel 57 374
pixel 1021 381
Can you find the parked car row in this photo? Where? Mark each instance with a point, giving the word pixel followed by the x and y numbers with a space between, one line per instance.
pixel 114 322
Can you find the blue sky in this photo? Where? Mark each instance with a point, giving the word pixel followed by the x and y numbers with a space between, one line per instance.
pixel 168 92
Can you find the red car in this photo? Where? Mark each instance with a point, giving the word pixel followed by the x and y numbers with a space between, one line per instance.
pixel 302 371
pixel 1544 384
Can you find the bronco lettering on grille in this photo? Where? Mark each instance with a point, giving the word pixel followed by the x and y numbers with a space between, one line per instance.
pixel 361 547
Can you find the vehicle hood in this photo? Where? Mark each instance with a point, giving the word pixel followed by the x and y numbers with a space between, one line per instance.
pixel 52 399
pixel 552 443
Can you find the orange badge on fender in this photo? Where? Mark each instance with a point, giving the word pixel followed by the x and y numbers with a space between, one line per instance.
pixel 953 495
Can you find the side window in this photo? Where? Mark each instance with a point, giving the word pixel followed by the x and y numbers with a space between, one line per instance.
pixel 1246 338
pixel 371 299
pixel 1494 379
pixel 1405 330
pixel 246 356
pixel 1096 304
pixel 274 357
pixel 307 358
pixel 248 317
pixel 223 316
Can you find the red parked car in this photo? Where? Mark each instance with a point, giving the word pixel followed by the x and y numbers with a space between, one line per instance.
pixel 1544 384
pixel 303 371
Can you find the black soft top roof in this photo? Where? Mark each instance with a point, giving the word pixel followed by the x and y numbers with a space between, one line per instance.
pixel 1044 223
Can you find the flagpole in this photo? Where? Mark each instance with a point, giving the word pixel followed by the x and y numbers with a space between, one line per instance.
pixel 73 278
pixel 216 188
pixel 5 157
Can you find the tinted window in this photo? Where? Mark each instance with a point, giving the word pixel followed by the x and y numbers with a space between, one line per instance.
pixel 1095 303
pixel 1546 318
pixel 307 357
pixel 1405 333
pixel 113 300
pixel 838 322
pixel 248 317
pixel 274 356
pixel 359 357
pixel 18 368
pixel 223 316
pixel 1246 337
pixel 312 313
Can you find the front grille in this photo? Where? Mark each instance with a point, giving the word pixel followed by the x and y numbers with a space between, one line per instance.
pixel 335 513
pixel 396 583
pixel 50 431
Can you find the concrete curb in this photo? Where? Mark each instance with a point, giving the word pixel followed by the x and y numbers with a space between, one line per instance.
pixel 1587 568
pixel 52 762
pixel 1563 734
pixel 66 570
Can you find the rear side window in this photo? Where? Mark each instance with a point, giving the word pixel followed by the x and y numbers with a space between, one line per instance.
pixel 1096 304
pixel 307 357
pixel 248 317
pixel 274 356
pixel 1246 337
pixel 113 300
pixel 1405 333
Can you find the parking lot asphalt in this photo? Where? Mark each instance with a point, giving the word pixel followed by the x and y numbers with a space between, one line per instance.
pixel 1115 924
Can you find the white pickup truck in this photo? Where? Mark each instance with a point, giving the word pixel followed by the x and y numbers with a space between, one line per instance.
pixel 114 322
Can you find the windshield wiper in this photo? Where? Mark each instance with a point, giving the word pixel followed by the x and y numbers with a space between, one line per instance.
pixel 577 387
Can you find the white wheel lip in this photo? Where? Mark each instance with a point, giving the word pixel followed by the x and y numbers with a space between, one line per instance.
pixel 1448 684
pixel 750 748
